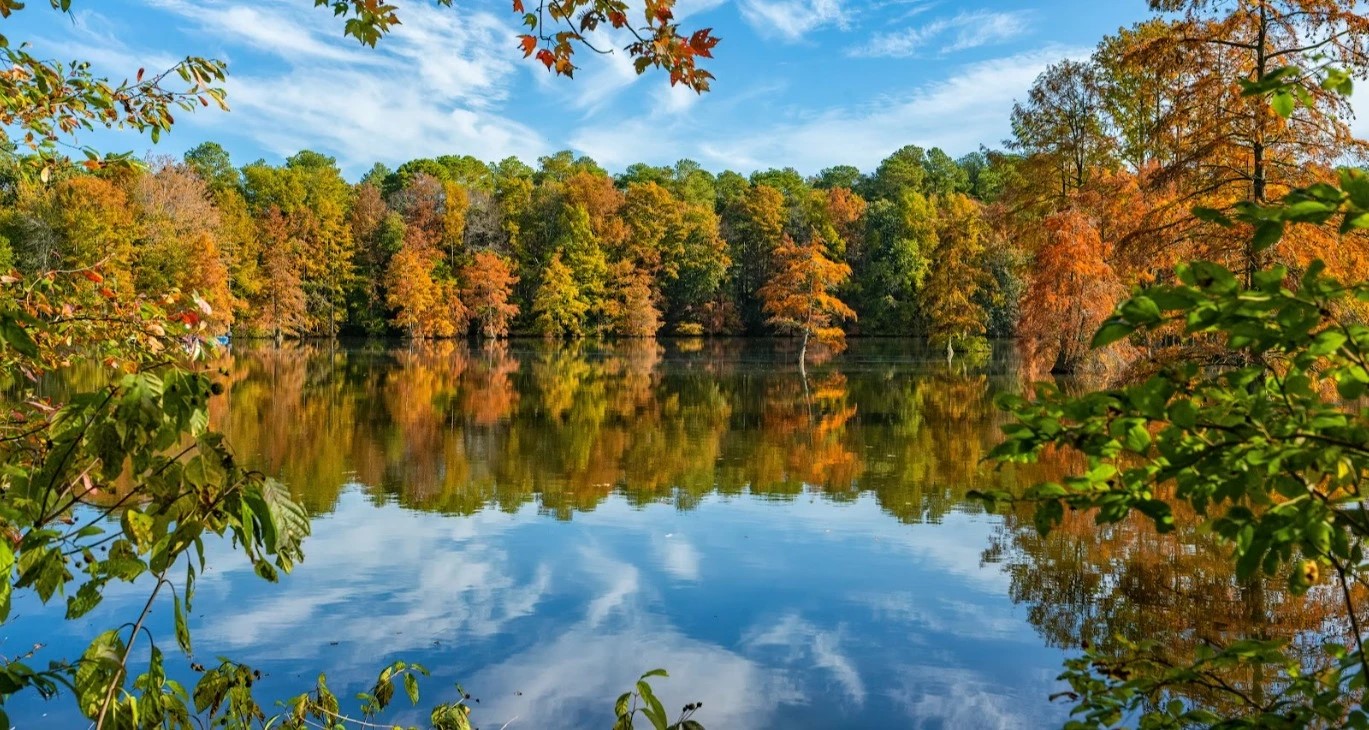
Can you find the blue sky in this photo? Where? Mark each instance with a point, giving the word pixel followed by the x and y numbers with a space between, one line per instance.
pixel 802 83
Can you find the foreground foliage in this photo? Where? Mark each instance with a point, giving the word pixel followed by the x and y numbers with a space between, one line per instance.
pixel 1266 442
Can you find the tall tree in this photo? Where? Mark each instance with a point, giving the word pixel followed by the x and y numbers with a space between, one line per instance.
pixel 799 297
pixel 424 307
pixel 1071 289
pixel 488 293
pixel 890 268
pixel 903 171
pixel 367 219
pixel 1063 120
pixel 753 223
pixel 559 308
pixel 1235 147
pixel 94 223
pixel 280 308
pixel 178 246
pixel 950 296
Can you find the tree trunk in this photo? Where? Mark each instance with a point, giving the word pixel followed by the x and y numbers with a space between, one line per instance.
pixel 1257 171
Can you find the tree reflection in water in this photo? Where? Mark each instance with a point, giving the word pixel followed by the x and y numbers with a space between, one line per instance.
pixel 458 429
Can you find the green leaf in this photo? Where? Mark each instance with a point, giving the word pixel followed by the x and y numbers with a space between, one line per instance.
pixel 182 628
pixel 283 524
pixel 87 597
pixel 1212 215
pixel 13 334
pixel 138 526
pixel 1282 103
pixel 411 687
pixel 6 578
pixel 1327 342
pixel 655 711
pixel 1111 332
pixel 97 670
pixel 1267 234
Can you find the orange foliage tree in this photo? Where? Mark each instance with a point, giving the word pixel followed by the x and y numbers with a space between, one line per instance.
pixel 489 288
pixel 799 297
pixel 1070 291
pixel 280 304
pixel 425 307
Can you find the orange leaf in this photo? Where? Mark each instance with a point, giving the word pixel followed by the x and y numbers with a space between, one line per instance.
pixel 93 276
pixel 529 44
pixel 517 6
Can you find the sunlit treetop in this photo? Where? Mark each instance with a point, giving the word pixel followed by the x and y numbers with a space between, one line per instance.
pixel 44 103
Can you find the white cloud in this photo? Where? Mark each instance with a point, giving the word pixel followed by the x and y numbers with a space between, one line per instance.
pixel 437 84
pixel 957 33
pixel 970 107
pixel 808 645
pixel 791 20
pixel 447 579
pixel 952 697
pixel 678 557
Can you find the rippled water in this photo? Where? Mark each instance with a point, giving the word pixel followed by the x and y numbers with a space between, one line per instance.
pixel 543 524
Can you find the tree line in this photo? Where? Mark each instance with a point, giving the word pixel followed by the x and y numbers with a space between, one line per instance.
pixel 1039 240
pixel 453 246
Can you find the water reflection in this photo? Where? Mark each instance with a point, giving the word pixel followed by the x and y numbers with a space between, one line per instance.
pixel 1090 585
pixel 544 522
pixel 453 429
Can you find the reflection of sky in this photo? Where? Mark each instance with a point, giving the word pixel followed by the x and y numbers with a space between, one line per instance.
pixel 774 614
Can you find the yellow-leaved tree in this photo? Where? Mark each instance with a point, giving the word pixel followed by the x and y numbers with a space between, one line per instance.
pixel 799 297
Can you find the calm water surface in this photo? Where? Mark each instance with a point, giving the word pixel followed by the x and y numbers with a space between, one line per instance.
pixel 543 524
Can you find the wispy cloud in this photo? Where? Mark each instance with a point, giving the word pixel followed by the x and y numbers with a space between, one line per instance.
pixel 791 20
pixel 960 32
pixel 438 84
pixel 970 107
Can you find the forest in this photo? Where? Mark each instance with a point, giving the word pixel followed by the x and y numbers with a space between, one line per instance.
pixel 1037 241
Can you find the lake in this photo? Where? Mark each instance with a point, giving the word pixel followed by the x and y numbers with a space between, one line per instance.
pixel 544 523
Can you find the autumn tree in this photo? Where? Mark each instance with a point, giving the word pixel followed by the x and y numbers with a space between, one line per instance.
pixel 368 219
pixel 632 309
pixel 178 245
pixel 593 190
pixel 799 299
pixel 559 308
pixel 310 192
pixel 280 308
pixel 1063 120
pixel 488 293
pixel 424 307
pixel 1071 289
pixel 1233 146
pixel 94 225
pixel 456 203
pixel 957 274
